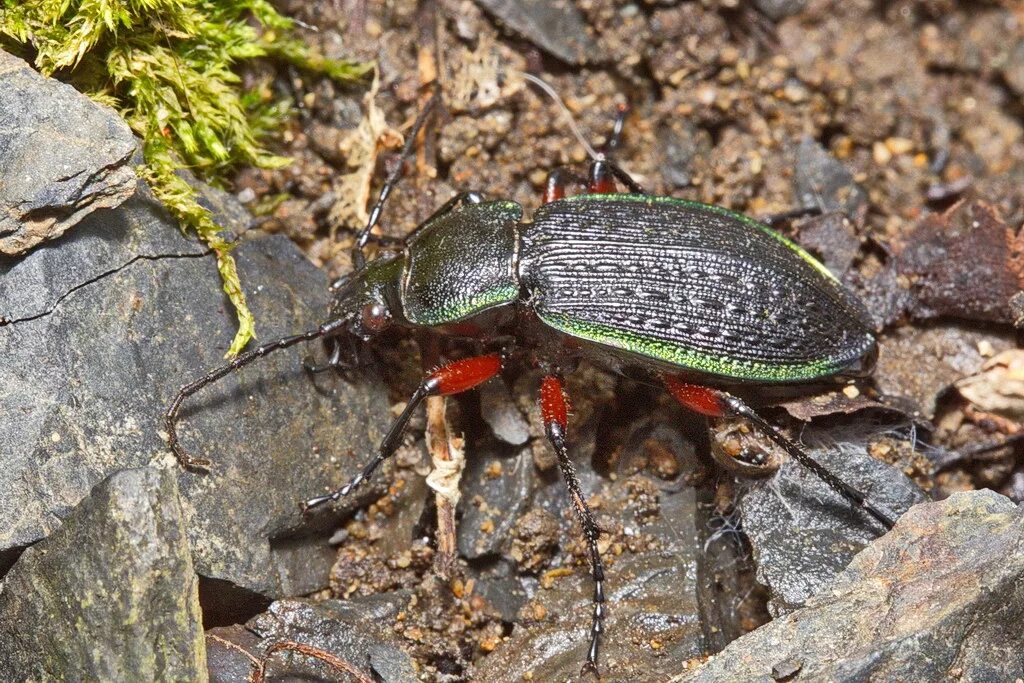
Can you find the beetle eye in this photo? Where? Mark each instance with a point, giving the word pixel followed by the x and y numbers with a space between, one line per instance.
pixel 374 318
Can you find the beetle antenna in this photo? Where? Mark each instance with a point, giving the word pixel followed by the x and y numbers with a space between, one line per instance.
pixel 240 361
pixel 550 92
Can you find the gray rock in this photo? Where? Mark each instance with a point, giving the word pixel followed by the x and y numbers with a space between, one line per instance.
pixel 555 26
pixel 104 325
pixel 111 596
pixel 832 237
pixel 496 490
pixel 803 533
pixel 686 148
pixel 941 597
pixel 822 182
pixel 356 631
pixel 62 156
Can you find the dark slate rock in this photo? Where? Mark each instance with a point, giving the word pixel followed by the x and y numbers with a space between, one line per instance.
pixel 555 26
pixel 496 490
pixel 652 624
pixel 941 597
pixel 687 148
pixel 822 182
pixel 108 321
pixel 110 596
pixel 62 156
pixel 803 533
pixel 357 631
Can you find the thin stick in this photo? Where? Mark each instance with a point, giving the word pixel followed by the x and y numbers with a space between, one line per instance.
pixel 448 459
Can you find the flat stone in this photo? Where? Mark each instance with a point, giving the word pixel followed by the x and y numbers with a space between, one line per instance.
pixel 500 412
pixel 780 9
pixel 106 323
pixel 496 490
pixel 110 596
pixel 822 182
pixel 940 597
pixel 803 533
pixel 62 156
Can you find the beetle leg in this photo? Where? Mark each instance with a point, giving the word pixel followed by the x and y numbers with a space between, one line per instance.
pixel 358 255
pixel 333 361
pixel 615 138
pixel 453 378
pixel 603 174
pixel 716 403
pixel 555 411
pixel 601 179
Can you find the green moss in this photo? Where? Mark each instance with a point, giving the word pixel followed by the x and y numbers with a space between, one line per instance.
pixel 170 68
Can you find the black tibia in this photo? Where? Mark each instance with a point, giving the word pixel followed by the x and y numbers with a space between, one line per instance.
pixel 171 419
pixel 334 360
pixel 392 440
pixel 358 257
pixel 556 435
pixel 453 378
pixel 740 409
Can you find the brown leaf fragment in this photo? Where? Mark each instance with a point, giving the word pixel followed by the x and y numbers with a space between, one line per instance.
pixel 999 387
pixel 965 263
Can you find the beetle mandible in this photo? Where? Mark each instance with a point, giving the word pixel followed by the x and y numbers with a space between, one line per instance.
pixel 694 296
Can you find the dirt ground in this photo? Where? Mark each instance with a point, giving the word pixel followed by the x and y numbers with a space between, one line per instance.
pixel 902 122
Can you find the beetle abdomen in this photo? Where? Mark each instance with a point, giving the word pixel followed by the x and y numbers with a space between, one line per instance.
pixel 690 285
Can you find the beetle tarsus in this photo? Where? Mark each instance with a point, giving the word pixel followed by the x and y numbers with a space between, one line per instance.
pixel 740 409
pixel 453 378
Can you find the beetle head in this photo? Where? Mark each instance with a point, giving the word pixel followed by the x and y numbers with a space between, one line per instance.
pixel 368 302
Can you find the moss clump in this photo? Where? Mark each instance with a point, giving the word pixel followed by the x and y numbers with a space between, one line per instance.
pixel 169 67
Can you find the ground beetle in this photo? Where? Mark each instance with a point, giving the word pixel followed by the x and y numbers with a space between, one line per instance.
pixel 694 296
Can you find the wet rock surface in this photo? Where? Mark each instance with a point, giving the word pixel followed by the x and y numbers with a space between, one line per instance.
pixel 939 597
pixel 62 156
pixel 112 595
pixel 105 323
